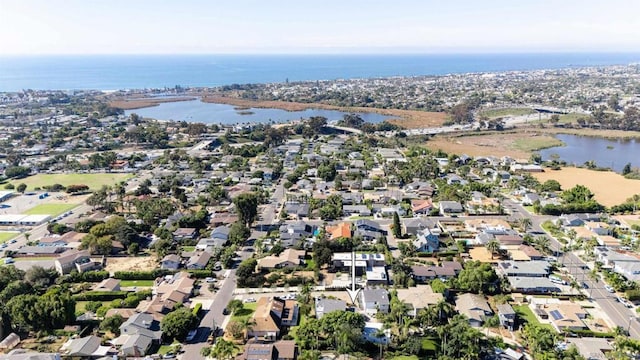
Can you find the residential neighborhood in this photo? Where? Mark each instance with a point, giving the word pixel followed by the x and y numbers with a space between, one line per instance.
pixel 300 241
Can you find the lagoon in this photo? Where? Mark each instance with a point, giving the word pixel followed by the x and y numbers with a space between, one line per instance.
pixel 210 113
pixel 611 153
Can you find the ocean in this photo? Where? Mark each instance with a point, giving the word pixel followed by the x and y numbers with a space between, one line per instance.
pixel 112 72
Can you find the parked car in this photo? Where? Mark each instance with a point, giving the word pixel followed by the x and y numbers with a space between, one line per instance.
pixel 191 335
pixel 584 285
pixel 609 289
pixel 249 300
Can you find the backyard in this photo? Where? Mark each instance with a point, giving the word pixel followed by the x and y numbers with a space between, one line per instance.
pixel 525 313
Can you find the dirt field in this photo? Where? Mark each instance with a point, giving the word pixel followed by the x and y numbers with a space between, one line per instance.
pixel 406 118
pixel 131 264
pixel 139 103
pixel 517 145
pixel 609 188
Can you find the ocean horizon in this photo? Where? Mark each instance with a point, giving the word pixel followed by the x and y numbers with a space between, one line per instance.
pixel 115 72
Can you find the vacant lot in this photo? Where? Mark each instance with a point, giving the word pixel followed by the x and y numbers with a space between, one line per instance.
pixel 609 188
pixel 7 235
pixel 93 181
pixel 50 209
pixel 146 263
pixel 518 145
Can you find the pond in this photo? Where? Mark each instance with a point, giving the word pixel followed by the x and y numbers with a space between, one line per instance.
pixel 210 113
pixel 614 154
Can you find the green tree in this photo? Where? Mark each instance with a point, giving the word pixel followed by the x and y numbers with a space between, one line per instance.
pixel 235 306
pixel 178 323
pixel 625 171
pixel 224 350
pixel 239 233
pixel 397 227
pixel 112 324
pixel 246 207
pixel 478 277
pixel 493 246
pixel 21 188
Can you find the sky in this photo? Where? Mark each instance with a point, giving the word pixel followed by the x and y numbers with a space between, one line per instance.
pixel 29 27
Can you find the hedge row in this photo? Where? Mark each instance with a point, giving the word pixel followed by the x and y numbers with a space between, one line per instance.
pixel 100 295
pixel 89 276
pixel 589 333
pixel 200 274
pixel 141 275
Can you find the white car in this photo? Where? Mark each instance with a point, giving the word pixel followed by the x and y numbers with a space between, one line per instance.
pixel 249 300
pixel 609 289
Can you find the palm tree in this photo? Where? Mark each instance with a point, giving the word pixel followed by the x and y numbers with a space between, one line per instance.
pixel 444 310
pixel 525 223
pixel 224 350
pixel 493 246
pixel 247 325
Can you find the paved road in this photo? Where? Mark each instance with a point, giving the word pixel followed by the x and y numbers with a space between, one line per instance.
pixel 212 318
pixel 619 314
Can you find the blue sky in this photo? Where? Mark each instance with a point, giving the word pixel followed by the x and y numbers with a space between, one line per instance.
pixel 326 26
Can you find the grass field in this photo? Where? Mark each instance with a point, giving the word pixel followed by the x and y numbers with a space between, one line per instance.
pixel 50 209
pixel 518 145
pixel 7 235
pixel 129 283
pixel 93 181
pixel 609 187
pixel 246 312
pixel 525 313
pixel 497 113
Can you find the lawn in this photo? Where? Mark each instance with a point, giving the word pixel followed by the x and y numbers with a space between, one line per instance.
pixel 294 329
pixel 429 345
pixel 50 209
pixel 525 313
pixel 80 306
pixel 246 312
pixel 129 283
pixel 93 181
pixel 536 143
pixel 164 349
pixel 7 235
pixel 188 248
pixel 405 357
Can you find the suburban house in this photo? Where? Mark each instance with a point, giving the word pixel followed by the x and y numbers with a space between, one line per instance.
pixel 474 307
pixel 271 314
pixel 108 284
pixel 450 208
pixel 297 210
pixel 220 233
pixel 374 300
pixel 446 270
pixel 279 350
pixel 421 206
pixel 507 316
pixel 538 268
pixel 293 231
pixel 415 225
pixel 341 230
pixel 563 315
pixel 364 262
pixel 79 260
pixel 324 306
pixel 184 234
pixel 592 348
pixel 170 262
pixel 360 210
pixel 85 347
pixel 209 244
pixel 533 285
pixel 137 334
pixel 426 241
pixel 419 297
pixel 199 260
pixel 288 258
